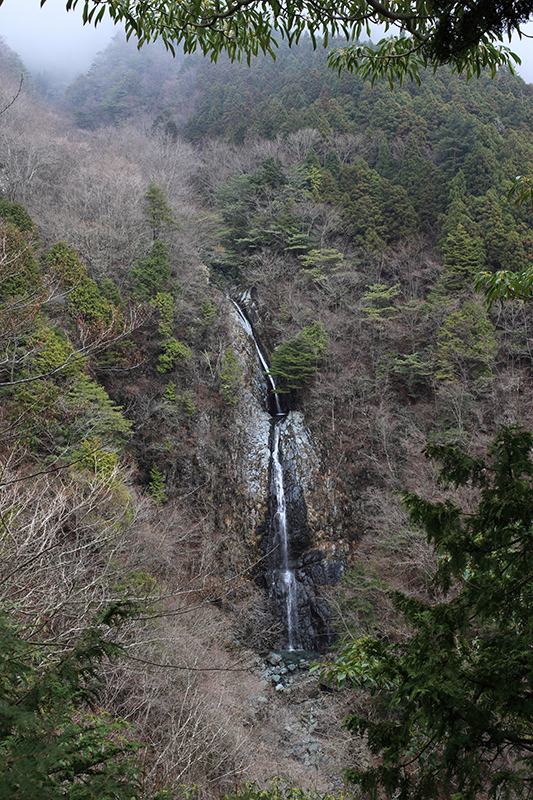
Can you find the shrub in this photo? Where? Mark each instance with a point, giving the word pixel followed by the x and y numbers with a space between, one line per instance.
pixel 230 377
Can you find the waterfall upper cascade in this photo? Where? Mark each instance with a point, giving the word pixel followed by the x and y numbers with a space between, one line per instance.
pixel 292 572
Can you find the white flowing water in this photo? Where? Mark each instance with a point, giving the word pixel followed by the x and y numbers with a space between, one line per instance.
pixel 282 541
pixel 249 330
pixel 287 581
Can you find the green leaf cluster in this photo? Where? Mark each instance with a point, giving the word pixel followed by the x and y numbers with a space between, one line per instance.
pixel 295 362
pixel 454 698
pixel 467 37
pixel 53 740
pixel 505 285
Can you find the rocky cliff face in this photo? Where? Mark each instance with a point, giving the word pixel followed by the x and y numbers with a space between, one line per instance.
pixel 250 431
pixel 310 547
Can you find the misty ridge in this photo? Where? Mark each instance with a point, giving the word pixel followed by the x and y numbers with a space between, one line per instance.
pixel 348 222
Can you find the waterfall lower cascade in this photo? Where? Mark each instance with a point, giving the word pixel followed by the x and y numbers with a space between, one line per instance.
pixel 280 537
pixel 291 572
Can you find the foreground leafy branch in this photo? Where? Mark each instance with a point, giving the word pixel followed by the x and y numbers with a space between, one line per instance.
pixel 453 709
pixel 468 36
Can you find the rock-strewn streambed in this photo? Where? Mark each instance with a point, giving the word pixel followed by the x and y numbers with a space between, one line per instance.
pixel 298 724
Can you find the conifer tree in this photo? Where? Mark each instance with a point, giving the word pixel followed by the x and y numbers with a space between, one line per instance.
pixel 156 486
pixel 463 256
pixel 53 741
pixel 158 212
pixel 295 362
pixel 453 709
pixel 151 274
pixel 466 343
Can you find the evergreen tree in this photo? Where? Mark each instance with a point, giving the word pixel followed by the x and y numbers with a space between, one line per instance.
pixel 384 164
pixel 54 742
pixel 453 709
pixel 156 487
pixel 493 229
pixel 16 214
pixel 466 344
pixel 295 362
pixel 272 173
pixel 481 169
pixel 463 257
pixel 151 274
pixel 457 189
pixel 20 273
pixel 415 176
pixel 333 164
pixel 158 212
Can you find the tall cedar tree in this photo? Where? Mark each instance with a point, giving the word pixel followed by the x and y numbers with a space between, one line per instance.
pixel 454 700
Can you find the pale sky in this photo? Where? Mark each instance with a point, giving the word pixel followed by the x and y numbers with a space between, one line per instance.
pixel 52 39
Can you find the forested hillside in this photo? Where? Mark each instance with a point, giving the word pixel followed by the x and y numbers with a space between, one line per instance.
pixel 349 221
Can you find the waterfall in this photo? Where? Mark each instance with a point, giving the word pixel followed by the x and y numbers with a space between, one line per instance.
pixel 291 573
pixel 245 322
pixel 281 539
pixel 285 581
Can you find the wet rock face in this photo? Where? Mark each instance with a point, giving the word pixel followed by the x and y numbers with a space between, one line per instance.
pixel 300 466
pixel 303 484
pixel 250 438
pixel 314 616
pixel 311 570
pixel 300 535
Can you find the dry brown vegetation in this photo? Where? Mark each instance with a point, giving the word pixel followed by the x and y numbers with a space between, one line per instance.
pixel 192 683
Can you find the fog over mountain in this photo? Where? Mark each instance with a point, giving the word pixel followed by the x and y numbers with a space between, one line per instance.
pixel 50 39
